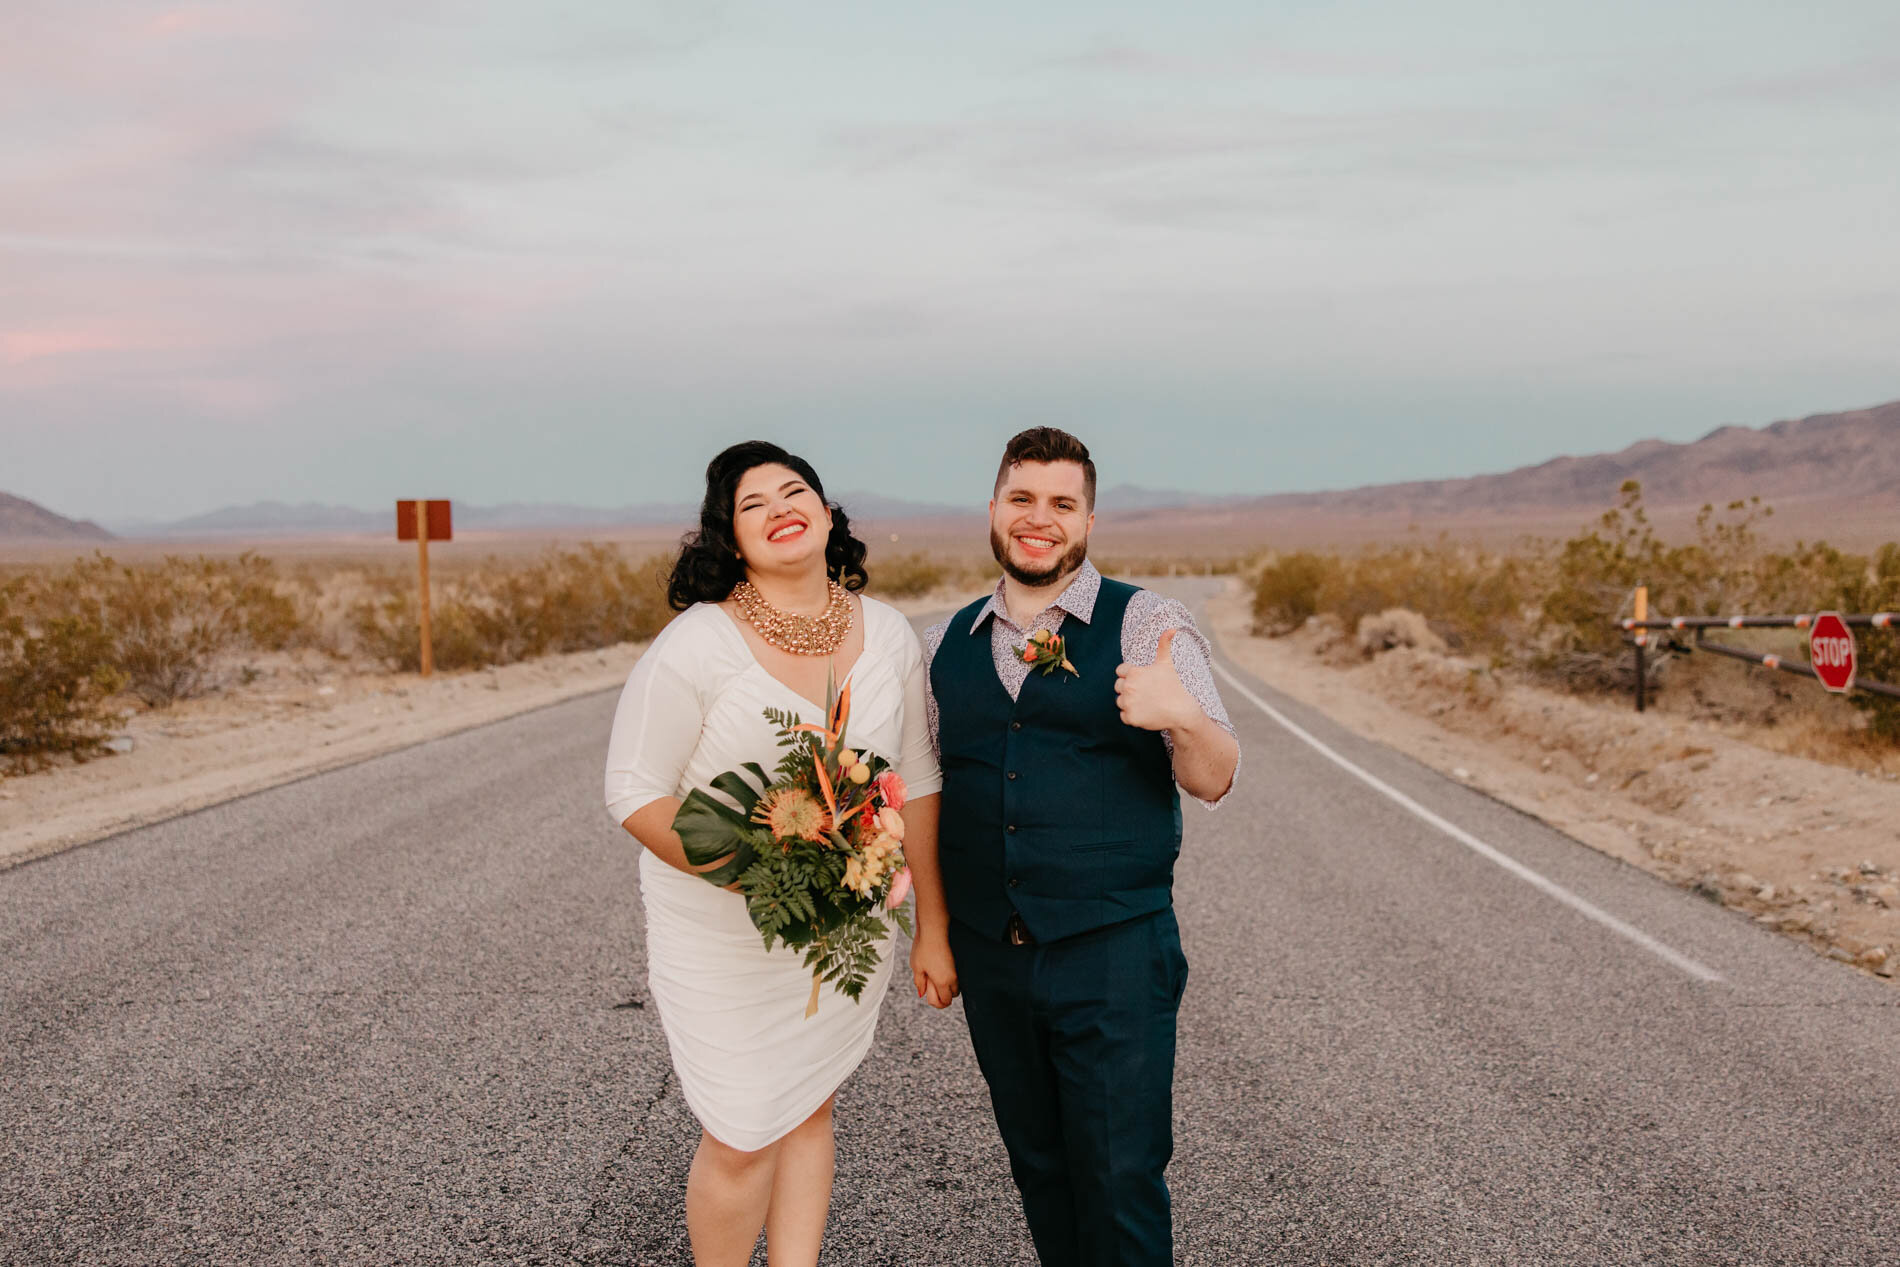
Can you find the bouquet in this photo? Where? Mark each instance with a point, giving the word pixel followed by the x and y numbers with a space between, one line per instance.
pixel 817 850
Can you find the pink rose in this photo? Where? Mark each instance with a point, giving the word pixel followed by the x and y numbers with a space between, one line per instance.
pixel 900 889
pixel 890 789
pixel 891 821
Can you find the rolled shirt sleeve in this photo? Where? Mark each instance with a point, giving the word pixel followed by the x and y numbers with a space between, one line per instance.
pixel 1150 615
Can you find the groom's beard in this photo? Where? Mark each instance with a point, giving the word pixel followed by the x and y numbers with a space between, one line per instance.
pixel 1065 563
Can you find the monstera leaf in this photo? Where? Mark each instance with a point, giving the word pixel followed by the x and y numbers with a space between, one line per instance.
pixel 711 829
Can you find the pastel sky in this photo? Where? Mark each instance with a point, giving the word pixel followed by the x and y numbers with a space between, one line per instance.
pixel 349 251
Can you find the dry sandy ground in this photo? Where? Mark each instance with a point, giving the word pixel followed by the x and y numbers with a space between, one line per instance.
pixel 300 717
pixel 1808 848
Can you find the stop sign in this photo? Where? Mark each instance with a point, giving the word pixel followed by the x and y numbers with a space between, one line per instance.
pixel 1831 651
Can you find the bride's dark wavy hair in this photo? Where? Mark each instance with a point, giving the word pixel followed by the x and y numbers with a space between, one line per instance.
pixel 709 564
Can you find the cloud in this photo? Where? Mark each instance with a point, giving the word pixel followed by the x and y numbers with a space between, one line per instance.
pixel 632 32
pixel 1859 80
pixel 17 347
pixel 1248 56
pixel 1263 166
pixel 511 225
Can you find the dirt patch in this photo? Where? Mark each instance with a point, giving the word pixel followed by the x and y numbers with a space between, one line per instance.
pixel 1808 848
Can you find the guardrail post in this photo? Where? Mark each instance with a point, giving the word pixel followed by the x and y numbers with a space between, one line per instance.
pixel 1642 644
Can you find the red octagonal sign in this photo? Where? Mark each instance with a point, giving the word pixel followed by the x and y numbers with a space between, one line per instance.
pixel 1831 651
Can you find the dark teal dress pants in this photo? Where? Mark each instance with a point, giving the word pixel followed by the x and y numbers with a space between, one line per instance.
pixel 1076 1040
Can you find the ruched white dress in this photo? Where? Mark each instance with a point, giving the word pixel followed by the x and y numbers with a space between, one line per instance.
pixel 751 1064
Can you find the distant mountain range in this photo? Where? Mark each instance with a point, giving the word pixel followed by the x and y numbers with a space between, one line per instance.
pixel 1850 460
pixel 1847 457
pixel 22 520
pixel 306 519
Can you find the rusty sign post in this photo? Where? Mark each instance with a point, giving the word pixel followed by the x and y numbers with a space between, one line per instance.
pixel 1642 644
pixel 423 522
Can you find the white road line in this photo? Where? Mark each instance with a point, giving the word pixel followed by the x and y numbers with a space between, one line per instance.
pixel 1471 842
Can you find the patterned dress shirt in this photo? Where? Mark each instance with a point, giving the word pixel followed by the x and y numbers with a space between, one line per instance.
pixel 1149 615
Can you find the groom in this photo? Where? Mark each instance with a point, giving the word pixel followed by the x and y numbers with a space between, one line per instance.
pixel 1048 904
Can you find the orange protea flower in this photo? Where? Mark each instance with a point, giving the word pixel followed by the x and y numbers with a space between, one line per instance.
pixel 791 812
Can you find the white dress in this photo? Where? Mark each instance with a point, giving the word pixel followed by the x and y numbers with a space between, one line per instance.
pixel 751 1064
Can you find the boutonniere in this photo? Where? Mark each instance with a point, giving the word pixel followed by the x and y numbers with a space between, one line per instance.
pixel 1045 651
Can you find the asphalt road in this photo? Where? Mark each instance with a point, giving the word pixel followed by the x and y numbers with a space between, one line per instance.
pixel 396 1013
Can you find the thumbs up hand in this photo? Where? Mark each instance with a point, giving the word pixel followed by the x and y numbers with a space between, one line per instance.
pixel 1151 697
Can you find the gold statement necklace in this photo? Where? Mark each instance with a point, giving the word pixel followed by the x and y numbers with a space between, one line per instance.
pixel 800 635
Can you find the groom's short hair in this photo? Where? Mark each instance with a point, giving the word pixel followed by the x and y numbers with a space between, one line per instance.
pixel 1048 444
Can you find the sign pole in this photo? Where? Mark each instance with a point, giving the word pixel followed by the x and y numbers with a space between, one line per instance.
pixel 422 568
pixel 1642 645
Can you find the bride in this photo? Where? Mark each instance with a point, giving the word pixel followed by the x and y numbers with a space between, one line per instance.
pixel 767 591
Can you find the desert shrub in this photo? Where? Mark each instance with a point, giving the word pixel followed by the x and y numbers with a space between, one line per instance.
pixel 172 624
pixel 386 629
pixel 1286 591
pixel 1876 588
pixel 571 600
pixel 909 575
pixel 278 615
pixel 1553 609
pixel 1170 564
pixel 1474 600
pixel 56 678
pixel 565 600
pixel 1724 571
pixel 918 574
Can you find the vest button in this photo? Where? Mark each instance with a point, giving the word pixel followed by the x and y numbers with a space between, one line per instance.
pixel 1015 725
pixel 1011 829
pixel 1012 774
pixel 1013 882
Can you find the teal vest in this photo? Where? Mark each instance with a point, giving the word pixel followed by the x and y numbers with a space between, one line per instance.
pixel 1053 809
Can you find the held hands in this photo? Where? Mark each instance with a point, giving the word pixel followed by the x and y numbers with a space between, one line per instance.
pixel 1151 697
pixel 932 970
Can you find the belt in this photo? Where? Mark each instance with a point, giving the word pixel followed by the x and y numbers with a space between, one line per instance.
pixel 1017 933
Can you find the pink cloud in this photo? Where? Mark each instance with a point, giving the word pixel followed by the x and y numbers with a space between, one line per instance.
pixel 17 347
